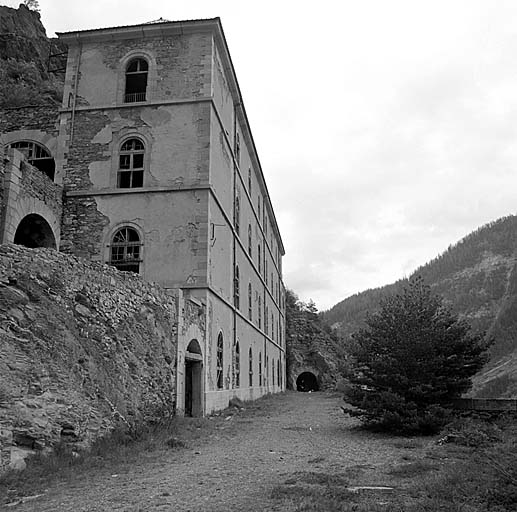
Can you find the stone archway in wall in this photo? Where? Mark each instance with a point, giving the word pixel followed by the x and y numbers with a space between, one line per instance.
pixel 193 380
pixel 306 382
pixel 34 231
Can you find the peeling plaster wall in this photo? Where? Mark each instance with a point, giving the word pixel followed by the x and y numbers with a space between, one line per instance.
pixel 180 68
pixel 174 228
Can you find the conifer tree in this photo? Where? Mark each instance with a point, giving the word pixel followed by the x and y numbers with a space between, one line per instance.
pixel 412 358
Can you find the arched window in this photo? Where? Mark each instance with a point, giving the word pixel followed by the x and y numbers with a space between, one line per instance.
pixel 272 325
pixel 273 372
pixel 237 216
pixel 259 316
pixel 260 369
pixel 131 164
pixel 250 310
pixel 279 381
pixel 266 376
pixel 259 258
pixel 258 208
pixel 250 368
pixel 236 291
pixel 249 239
pixel 249 180
pixel 125 250
pixel 236 366
pixel 37 155
pixel 266 319
pixel 219 364
pixel 136 80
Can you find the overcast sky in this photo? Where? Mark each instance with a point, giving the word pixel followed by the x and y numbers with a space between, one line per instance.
pixel 386 130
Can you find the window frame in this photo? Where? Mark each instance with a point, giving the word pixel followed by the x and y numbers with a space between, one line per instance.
pixel 125 245
pixel 139 96
pixel 132 171
pixel 32 151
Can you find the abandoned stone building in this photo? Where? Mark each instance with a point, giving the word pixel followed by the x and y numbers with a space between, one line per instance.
pixel 149 165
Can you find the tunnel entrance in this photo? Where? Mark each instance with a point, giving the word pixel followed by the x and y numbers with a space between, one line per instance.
pixel 34 231
pixel 307 381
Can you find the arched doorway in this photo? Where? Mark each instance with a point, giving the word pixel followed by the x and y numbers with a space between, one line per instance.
pixel 193 380
pixel 34 231
pixel 307 381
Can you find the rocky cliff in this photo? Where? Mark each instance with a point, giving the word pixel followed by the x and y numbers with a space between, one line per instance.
pixel 310 347
pixel 83 347
pixel 27 73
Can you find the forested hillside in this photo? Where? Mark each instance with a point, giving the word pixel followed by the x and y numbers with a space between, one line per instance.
pixel 478 278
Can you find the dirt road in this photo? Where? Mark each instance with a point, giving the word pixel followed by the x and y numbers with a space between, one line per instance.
pixel 237 468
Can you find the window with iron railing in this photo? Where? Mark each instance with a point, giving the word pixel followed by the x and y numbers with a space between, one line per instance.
pixel 136 81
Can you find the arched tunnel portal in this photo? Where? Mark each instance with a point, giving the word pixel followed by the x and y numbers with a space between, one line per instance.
pixel 307 381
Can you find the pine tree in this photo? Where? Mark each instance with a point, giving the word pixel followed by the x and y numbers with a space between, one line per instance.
pixel 412 358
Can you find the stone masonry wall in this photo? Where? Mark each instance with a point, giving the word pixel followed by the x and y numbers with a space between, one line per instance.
pixel 38 185
pixel 42 117
pixel 83 347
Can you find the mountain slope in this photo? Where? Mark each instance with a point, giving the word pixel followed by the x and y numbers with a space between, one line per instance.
pixel 478 278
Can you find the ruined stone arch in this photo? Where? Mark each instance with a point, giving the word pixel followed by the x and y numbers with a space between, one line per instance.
pixel 32 213
pixel 34 231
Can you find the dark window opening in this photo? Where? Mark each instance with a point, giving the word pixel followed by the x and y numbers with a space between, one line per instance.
pixel 260 368
pixel 259 313
pixel 125 250
pixel 136 81
pixel 37 156
pixel 219 376
pixel 237 215
pixel 238 149
pixel 250 368
pixel 250 309
pixel 237 366
pixel 236 290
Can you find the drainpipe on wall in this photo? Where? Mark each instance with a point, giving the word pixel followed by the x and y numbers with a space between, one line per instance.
pixel 74 91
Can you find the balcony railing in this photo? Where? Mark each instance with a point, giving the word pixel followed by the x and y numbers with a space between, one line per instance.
pixel 134 97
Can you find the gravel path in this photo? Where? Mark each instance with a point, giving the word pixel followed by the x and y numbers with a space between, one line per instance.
pixel 236 467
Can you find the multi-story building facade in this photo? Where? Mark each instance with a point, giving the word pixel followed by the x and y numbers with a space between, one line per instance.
pixel 161 177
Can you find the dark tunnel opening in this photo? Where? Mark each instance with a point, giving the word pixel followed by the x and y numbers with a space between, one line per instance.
pixel 306 382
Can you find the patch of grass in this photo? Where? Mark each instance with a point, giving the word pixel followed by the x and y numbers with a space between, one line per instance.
pixel 408 444
pixel 484 481
pixel 324 492
pixel 412 469
pixel 109 453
